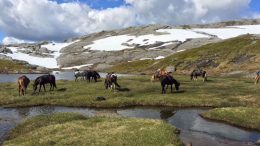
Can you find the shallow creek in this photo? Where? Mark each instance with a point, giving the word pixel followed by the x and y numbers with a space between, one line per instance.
pixel 194 129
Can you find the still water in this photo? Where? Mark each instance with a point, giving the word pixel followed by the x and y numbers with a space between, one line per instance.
pixel 193 128
pixel 64 75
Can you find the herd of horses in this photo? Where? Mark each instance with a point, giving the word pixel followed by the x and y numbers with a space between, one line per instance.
pixel 163 76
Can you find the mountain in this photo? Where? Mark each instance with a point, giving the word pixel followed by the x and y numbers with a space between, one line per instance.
pixel 239 55
pixel 152 43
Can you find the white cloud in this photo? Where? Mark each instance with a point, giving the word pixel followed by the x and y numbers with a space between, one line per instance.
pixel 49 20
pixel 12 40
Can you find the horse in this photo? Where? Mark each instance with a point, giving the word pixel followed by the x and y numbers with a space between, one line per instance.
pixel 23 83
pixel 195 73
pixel 168 80
pixel 91 74
pixel 78 73
pixel 111 81
pixel 257 77
pixel 158 73
pixel 44 79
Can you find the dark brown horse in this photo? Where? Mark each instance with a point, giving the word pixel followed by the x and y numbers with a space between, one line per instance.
pixel 91 74
pixel 23 83
pixel 111 81
pixel 45 79
pixel 168 80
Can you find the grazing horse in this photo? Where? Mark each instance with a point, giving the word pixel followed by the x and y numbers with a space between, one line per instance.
pixel 158 73
pixel 168 80
pixel 78 73
pixel 45 79
pixel 111 81
pixel 195 73
pixel 23 83
pixel 91 74
pixel 257 77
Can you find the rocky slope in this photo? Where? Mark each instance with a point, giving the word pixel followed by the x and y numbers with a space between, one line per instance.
pixel 108 48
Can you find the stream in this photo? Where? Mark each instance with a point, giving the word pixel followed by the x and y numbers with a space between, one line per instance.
pixel 194 129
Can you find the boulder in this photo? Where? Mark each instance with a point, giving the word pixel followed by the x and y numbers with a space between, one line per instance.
pixel 5 50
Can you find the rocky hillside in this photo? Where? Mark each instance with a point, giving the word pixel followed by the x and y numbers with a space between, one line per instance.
pixel 106 49
pixel 235 55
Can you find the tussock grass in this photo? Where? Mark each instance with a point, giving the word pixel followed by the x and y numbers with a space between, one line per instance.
pixel 239 116
pixel 139 91
pixel 72 129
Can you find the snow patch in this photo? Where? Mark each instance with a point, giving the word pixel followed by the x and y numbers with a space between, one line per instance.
pixel 159 57
pixel 77 67
pixel 121 42
pixel 47 62
pixel 231 31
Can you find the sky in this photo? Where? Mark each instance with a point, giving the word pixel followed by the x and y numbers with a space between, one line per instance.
pixel 58 20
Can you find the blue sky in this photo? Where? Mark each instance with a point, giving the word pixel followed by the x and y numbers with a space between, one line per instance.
pixel 255 5
pixel 26 25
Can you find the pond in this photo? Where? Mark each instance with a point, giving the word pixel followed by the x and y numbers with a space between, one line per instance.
pixel 64 75
pixel 193 128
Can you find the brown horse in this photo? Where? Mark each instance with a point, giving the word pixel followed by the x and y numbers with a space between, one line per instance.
pixel 158 73
pixel 257 77
pixel 23 83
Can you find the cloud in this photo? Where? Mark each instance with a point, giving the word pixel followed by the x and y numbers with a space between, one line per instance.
pixel 12 40
pixel 48 20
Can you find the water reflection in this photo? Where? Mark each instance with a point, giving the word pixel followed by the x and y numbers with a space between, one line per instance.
pixel 193 128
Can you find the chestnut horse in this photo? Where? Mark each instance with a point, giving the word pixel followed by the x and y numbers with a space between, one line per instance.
pixel 257 77
pixel 158 73
pixel 23 83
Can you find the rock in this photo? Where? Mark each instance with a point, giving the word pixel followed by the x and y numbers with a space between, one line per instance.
pixel 5 57
pixel 5 50
pixel 100 98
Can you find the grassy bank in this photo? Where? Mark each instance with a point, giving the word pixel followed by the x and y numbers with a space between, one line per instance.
pixel 240 116
pixel 73 129
pixel 11 66
pixel 139 91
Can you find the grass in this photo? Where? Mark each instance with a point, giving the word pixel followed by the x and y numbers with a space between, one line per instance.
pixel 10 66
pixel 239 116
pixel 240 53
pixel 139 91
pixel 73 129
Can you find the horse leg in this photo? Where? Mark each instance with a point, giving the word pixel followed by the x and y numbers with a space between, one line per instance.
pixel 44 87
pixel 51 87
pixel 163 89
pixel 19 90
pixel 40 87
pixel 171 88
